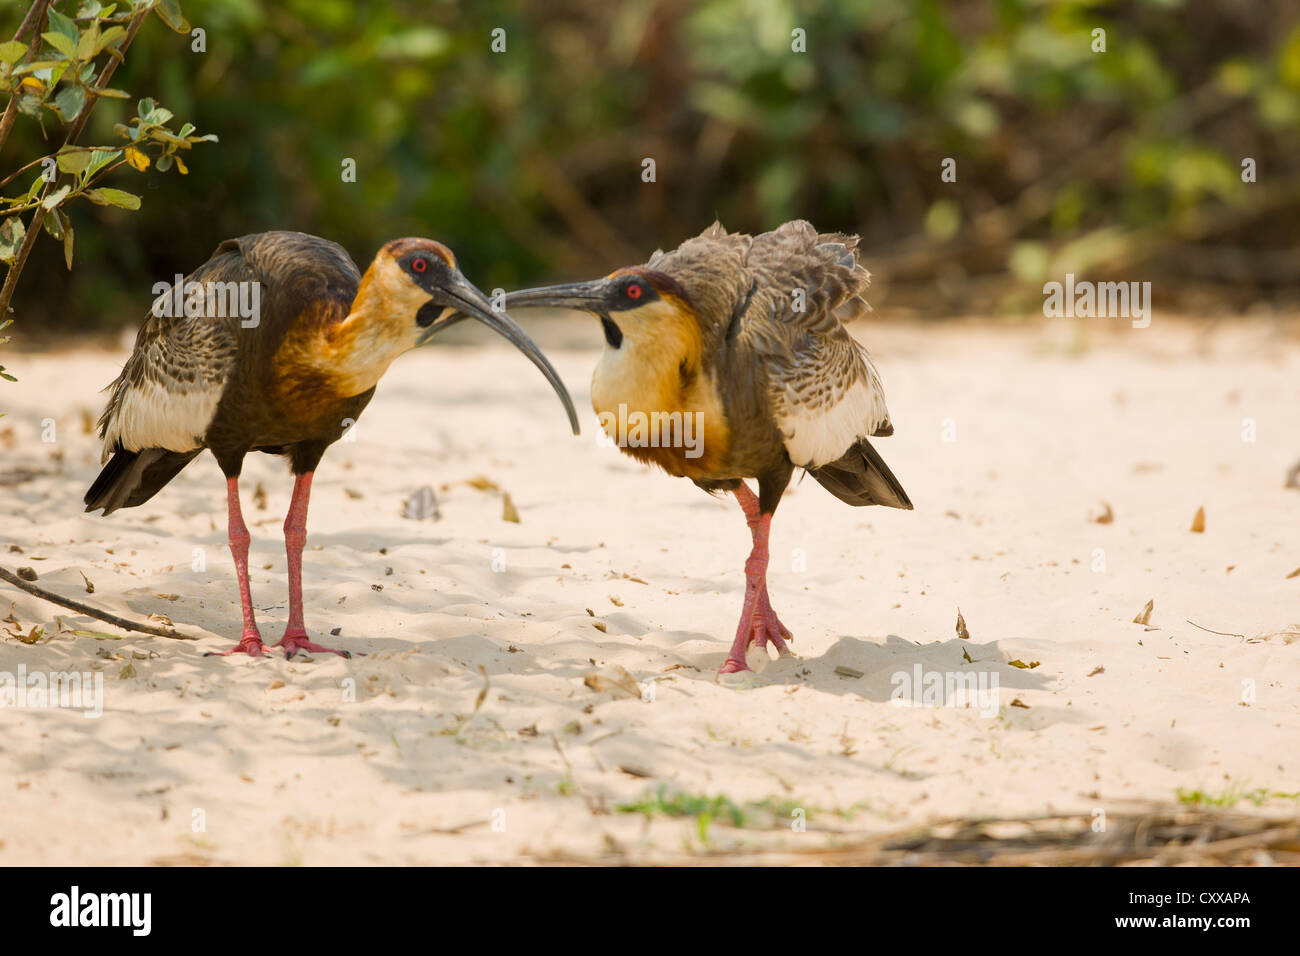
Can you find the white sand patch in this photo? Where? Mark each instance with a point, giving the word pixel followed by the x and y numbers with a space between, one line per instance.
pixel 281 767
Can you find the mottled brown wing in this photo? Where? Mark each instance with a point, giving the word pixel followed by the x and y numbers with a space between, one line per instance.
pixel 826 393
pixel 169 388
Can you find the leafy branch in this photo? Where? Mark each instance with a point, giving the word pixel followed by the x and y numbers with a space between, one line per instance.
pixel 59 66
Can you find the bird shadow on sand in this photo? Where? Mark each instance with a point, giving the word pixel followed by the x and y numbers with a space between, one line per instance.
pixel 953 673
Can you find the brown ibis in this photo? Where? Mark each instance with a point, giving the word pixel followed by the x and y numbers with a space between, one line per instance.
pixel 275 344
pixel 744 335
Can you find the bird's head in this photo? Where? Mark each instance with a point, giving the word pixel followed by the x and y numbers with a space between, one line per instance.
pixel 414 289
pixel 410 285
pixel 634 304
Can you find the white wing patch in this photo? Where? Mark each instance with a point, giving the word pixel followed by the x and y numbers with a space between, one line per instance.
pixel 823 422
pixel 149 416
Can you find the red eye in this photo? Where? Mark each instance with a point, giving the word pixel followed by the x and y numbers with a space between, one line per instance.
pixel 419 265
pixel 634 291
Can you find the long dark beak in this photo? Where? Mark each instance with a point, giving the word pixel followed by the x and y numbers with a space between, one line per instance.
pixel 584 296
pixel 461 294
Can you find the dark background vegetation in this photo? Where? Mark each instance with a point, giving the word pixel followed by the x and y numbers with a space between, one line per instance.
pixel 1123 164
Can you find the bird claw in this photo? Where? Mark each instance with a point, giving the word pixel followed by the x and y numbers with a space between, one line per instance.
pixel 768 627
pixel 250 644
pixel 732 666
pixel 764 627
pixel 293 644
pixel 738 680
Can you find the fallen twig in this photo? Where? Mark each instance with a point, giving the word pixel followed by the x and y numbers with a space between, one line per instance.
pixel 70 604
pixel 1220 633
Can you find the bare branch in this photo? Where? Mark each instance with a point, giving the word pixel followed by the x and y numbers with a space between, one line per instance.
pixel 122 622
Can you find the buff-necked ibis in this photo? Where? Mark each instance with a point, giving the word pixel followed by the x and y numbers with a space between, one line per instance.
pixel 745 334
pixel 288 380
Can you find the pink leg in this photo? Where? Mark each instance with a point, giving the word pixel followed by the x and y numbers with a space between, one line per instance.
pixel 295 539
pixel 250 642
pixel 774 630
pixel 758 622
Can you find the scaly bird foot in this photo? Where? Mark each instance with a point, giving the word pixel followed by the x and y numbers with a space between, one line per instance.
pixel 764 626
pixel 768 627
pixel 250 643
pixel 293 643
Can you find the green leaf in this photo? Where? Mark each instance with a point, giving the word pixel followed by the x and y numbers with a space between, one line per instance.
pixel 88 45
pixel 12 51
pixel 61 43
pixel 37 65
pixel 56 197
pixel 53 226
pixel 110 37
pixel 29 104
pixel 170 12
pixel 12 233
pixel 73 159
pixel 37 185
pixel 63 25
pixel 151 114
pixel 69 102
pixel 163 135
pixel 113 94
pixel 99 158
pixel 164 163
pixel 113 197
pixel 53 74
pixel 67 237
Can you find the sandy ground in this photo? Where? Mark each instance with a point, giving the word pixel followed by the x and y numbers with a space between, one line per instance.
pixel 1009 442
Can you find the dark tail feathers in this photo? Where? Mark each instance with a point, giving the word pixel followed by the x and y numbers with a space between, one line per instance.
pixel 861 477
pixel 133 477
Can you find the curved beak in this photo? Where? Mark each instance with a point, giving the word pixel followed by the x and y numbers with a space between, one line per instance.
pixel 584 296
pixel 470 303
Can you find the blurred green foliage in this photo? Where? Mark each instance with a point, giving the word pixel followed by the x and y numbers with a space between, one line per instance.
pixel 528 162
